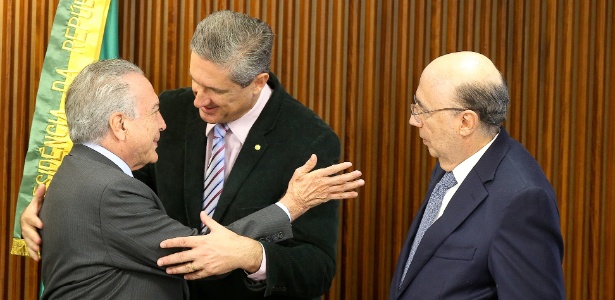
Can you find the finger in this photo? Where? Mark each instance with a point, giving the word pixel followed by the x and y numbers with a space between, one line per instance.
pixel 32 242
pixel 330 170
pixel 30 233
pixel 197 275
pixel 182 269
pixel 343 178
pixel 39 194
pixel 175 258
pixel 209 222
pixel 181 242
pixel 30 221
pixel 308 166
pixel 34 254
pixel 348 186
pixel 344 195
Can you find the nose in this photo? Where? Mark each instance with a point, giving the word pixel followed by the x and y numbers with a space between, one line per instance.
pixel 200 99
pixel 414 122
pixel 161 124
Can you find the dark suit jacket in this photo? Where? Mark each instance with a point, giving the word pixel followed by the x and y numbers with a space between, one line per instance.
pixel 287 133
pixel 103 229
pixel 499 236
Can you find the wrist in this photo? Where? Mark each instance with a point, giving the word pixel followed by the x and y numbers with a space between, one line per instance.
pixel 253 256
pixel 292 205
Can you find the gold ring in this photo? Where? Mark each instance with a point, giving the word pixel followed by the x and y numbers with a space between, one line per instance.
pixel 190 267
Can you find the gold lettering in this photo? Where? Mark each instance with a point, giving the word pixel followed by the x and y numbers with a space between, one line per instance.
pixel 74 22
pixel 78 35
pixel 88 3
pixel 59 86
pixel 48 165
pixel 73 47
pixel 60 130
pixel 67 73
pixel 83 11
pixel 44 179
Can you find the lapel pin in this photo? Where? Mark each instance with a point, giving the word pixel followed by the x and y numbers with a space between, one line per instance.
pixel 257 147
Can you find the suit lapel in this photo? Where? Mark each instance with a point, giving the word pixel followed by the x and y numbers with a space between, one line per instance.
pixel 194 169
pixel 468 197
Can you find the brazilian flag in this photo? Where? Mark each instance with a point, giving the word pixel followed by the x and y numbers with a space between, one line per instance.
pixel 83 31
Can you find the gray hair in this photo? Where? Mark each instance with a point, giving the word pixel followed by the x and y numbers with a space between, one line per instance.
pixel 235 41
pixel 98 91
pixel 489 101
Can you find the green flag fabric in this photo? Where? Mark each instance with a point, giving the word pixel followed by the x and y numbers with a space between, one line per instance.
pixel 76 40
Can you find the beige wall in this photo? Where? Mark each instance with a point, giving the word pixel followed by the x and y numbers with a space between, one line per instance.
pixel 357 63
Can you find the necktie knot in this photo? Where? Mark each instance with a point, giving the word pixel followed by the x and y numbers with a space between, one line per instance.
pixel 220 130
pixel 448 180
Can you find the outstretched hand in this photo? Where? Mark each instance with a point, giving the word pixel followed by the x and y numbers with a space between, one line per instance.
pixel 216 253
pixel 31 223
pixel 308 188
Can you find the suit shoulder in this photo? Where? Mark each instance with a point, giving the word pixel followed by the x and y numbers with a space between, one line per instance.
pixel 181 94
pixel 295 112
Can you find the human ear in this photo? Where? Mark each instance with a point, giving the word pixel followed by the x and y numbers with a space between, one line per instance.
pixel 118 128
pixel 259 82
pixel 469 122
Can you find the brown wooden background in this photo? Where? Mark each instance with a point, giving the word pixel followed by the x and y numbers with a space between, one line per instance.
pixel 357 64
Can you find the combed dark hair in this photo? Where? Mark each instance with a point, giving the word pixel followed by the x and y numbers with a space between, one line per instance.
pixel 235 41
pixel 489 101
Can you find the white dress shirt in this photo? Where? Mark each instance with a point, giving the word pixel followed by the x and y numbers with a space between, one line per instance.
pixel 460 172
pixel 111 156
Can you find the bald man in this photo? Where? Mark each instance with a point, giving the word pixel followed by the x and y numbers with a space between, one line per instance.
pixel 489 225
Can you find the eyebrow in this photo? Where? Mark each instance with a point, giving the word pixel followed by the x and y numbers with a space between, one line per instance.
pixel 417 101
pixel 216 90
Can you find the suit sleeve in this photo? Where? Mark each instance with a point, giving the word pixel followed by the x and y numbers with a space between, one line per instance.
pixel 305 265
pixel 134 224
pixel 270 224
pixel 526 254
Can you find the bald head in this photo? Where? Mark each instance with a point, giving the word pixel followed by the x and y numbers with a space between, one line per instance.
pixel 465 67
pixel 472 81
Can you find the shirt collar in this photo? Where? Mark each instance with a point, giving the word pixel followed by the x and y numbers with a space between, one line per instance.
pixel 111 156
pixel 463 169
pixel 241 127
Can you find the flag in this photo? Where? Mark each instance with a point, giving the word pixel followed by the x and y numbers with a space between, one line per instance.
pixel 76 40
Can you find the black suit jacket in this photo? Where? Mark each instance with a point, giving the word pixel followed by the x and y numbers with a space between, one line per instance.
pixel 283 137
pixel 499 236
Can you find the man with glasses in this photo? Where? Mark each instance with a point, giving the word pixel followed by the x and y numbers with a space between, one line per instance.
pixel 489 225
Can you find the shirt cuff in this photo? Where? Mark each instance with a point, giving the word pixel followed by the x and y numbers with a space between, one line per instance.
pixel 261 274
pixel 283 207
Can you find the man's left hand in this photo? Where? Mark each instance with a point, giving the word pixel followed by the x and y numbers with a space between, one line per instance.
pixel 216 253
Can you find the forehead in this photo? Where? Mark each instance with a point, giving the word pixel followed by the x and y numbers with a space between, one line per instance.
pixel 142 90
pixel 207 73
pixel 434 92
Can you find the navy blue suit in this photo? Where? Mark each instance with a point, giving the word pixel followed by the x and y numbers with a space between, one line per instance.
pixel 499 236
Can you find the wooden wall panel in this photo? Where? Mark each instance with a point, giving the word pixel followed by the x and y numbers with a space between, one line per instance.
pixel 357 64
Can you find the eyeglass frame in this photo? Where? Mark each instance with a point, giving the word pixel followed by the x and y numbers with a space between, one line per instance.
pixel 415 115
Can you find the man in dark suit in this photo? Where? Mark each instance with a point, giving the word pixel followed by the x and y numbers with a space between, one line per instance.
pixel 273 135
pixel 489 226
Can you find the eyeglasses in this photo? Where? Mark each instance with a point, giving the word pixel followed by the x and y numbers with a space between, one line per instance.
pixel 415 111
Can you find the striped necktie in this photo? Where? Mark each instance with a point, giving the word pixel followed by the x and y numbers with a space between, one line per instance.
pixel 429 216
pixel 214 174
